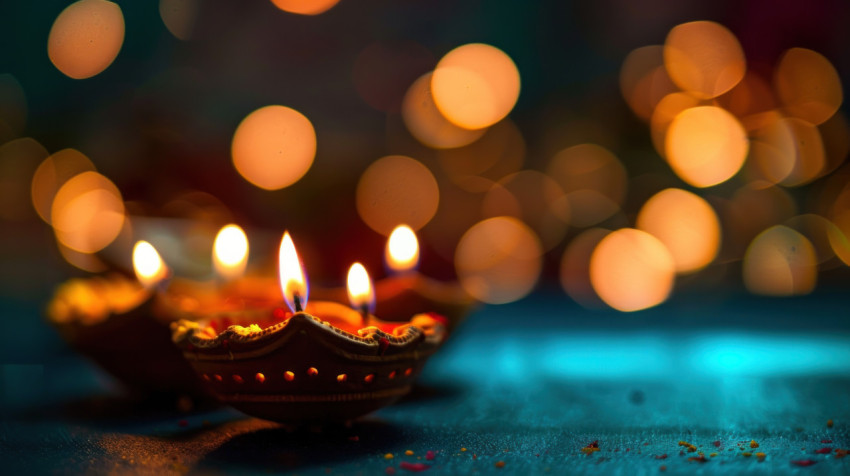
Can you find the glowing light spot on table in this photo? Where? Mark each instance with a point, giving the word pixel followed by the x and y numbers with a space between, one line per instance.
pixel 19 160
pixel 706 146
pixel 686 224
pixel 632 270
pixel 594 180
pixel 305 7
pixel 86 38
pixel 808 85
pixel 704 58
pixel 498 260
pixel 274 147
pixel 575 268
pixel 179 16
pixel 644 80
pixel 397 189
pixel 87 212
pixel 780 262
pixel 427 124
pixel 475 85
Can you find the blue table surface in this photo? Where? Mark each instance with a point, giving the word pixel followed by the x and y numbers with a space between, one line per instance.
pixel 526 384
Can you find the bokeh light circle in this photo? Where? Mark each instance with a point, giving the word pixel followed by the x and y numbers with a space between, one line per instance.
pixel 475 85
pixel 397 189
pixel 305 7
pixel 780 262
pixel 86 38
pixel 575 268
pixel 706 146
pixel 594 180
pixel 686 224
pixel 808 85
pixel 704 58
pixel 427 124
pixel 644 80
pixel 632 270
pixel 87 212
pixel 536 199
pixel 53 172
pixel 498 260
pixel 273 147
pixel 179 16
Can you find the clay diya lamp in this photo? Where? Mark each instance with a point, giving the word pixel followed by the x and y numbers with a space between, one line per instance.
pixel 314 363
pixel 111 320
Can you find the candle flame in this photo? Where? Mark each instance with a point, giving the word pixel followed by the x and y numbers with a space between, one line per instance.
pixel 402 251
pixel 230 252
pixel 360 291
pixel 147 264
pixel 293 283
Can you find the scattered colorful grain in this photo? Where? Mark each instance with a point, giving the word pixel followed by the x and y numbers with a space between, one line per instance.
pixel 760 456
pixel 754 444
pixel 716 443
pixel 713 455
pixel 826 441
pixel 824 451
pixel 829 423
pixel 662 468
pixel 388 456
pixel 691 448
pixel 803 462
pixel 409 452
pixel 594 446
pixel 429 455
pixel 698 459
pixel 664 456
pixel 840 453
pixel 746 454
pixel 499 464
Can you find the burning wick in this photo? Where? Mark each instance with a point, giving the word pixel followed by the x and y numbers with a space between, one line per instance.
pixel 230 252
pixel 293 283
pixel 402 252
pixel 360 291
pixel 149 267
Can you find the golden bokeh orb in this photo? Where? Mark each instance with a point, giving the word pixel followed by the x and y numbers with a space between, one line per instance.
pixel 808 85
pixel 632 270
pixel 427 124
pixel 86 38
pixel 87 212
pixel 305 7
pixel 780 262
pixel 704 58
pixel 397 189
pixel 706 145
pixel 498 260
pixel 273 147
pixel 475 85
pixel 686 224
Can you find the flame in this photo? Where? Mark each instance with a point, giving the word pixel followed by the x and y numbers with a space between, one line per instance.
pixel 402 251
pixel 293 283
pixel 230 252
pixel 149 267
pixel 360 291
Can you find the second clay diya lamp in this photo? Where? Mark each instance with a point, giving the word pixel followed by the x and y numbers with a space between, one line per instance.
pixel 111 319
pixel 315 362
